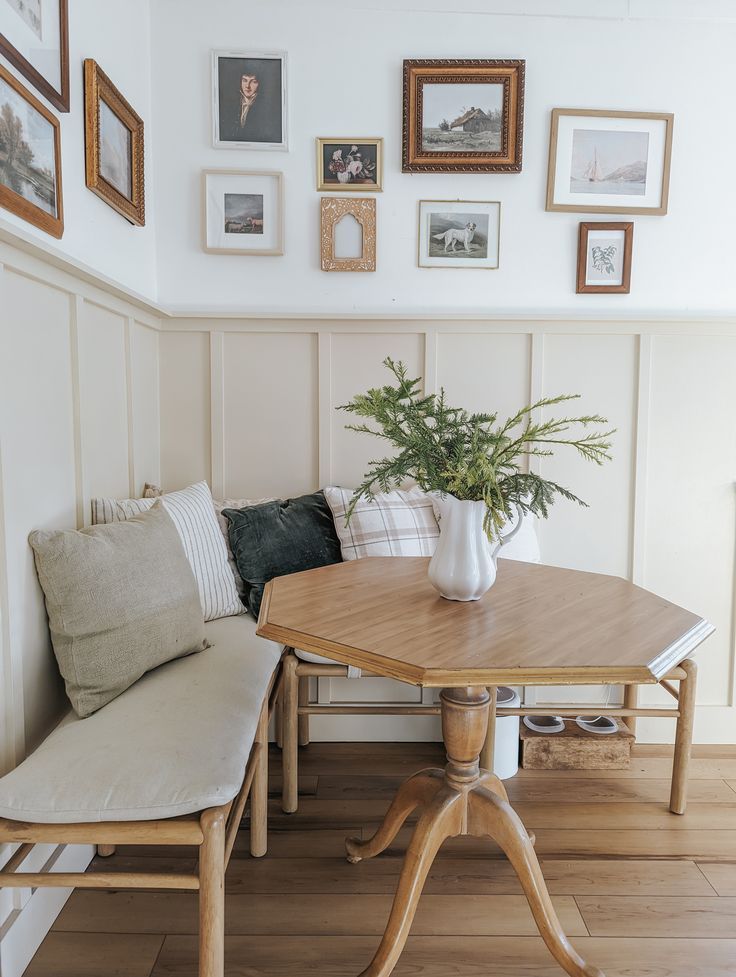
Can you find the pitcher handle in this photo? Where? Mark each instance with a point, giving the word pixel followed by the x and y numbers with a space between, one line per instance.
pixel 510 535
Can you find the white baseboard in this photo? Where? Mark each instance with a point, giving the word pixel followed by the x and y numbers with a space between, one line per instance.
pixel 25 928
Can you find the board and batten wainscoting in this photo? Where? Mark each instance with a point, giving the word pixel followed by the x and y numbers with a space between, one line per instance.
pixel 249 404
pixel 79 417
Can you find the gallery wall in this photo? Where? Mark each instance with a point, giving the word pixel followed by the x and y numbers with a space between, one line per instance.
pixel 117 36
pixel 345 82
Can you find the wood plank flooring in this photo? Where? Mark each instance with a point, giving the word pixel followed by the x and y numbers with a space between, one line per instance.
pixel 640 890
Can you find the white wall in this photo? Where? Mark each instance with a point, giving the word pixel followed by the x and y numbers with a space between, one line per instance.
pixel 79 416
pixel 345 80
pixel 117 36
pixel 250 405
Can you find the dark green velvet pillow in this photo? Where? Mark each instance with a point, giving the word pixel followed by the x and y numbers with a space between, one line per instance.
pixel 281 537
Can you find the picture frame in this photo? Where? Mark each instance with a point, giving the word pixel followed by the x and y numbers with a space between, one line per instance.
pixel 34 37
pixel 609 162
pixel 249 100
pixel 114 146
pixel 360 253
pixel 350 165
pixel 30 187
pixel 605 252
pixel 459 234
pixel 463 116
pixel 243 212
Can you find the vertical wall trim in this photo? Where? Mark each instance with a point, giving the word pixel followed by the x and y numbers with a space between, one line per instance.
pixel 217 412
pixel 324 408
pixel 536 392
pixel 641 460
pixel 76 303
pixel 431 354
pixel 133 487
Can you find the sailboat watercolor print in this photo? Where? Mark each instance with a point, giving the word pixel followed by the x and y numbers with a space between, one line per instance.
pixel 609 162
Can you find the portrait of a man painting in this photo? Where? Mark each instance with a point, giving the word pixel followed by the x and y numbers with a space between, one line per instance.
pixel 249 107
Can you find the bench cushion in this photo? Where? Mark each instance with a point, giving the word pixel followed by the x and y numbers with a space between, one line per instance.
pixel 174 743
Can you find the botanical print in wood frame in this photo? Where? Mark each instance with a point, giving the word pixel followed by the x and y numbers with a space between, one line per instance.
pixel 113 142
pixel 463 116
pixel 34 37
pixel 459 233
pixel 609 162
pixel 333 211
pixel 350 164
pixel 249 108
pixel 243 212
pixel 604 257
pixel 30 157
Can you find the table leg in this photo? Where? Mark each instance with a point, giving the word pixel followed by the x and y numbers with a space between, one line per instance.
pixel 461 800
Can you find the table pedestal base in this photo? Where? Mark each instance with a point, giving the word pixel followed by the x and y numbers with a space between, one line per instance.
pixel 460 800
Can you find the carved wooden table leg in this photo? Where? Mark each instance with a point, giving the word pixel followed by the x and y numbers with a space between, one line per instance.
pixel 461 800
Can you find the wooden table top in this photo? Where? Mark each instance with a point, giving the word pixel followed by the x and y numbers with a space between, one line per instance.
pixel 537 625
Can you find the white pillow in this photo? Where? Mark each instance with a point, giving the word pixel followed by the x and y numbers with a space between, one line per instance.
pixel 193 513
pixel 405 523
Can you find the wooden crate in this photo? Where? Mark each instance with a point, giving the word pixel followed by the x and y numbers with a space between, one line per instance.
pixel 576 749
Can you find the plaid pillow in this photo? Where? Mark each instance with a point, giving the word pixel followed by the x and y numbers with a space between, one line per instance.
pixel 398 523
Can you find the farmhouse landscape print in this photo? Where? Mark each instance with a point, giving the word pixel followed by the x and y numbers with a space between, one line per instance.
pixel 462 118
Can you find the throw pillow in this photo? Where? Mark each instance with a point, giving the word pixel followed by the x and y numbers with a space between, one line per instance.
pixel 398 523
pixel 121 600
pixel 281 537
pixel 194 516
pixel 224 525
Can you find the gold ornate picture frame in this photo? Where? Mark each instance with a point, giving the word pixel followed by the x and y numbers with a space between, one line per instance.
pixel 463 116
pixel 113 141
pixel 332 211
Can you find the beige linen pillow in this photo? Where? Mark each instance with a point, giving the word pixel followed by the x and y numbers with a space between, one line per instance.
pixel 121 600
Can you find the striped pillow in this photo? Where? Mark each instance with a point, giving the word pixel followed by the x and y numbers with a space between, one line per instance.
pixel 398 523
pixel 193 513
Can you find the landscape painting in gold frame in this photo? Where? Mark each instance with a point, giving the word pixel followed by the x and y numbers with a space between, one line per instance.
pixel 463 116
pixel 113 141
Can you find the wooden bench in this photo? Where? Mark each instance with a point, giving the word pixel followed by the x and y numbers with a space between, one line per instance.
pixel 171 761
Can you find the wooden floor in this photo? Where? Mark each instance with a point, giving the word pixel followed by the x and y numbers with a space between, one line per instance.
pixel 644 893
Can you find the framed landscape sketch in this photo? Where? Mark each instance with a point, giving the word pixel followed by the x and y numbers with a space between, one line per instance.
pixel 113 142
pixel 34 37
pixel 243 212
pixel 30 158
pixel 609 162
pixel 459 233
pixel 604 257
pixel 350 164
pixel 249 100
pixel 463 116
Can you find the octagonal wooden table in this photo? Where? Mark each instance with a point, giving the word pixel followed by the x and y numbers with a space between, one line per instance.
pixel 537 625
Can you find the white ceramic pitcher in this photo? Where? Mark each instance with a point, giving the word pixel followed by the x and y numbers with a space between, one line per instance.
pixel 464 564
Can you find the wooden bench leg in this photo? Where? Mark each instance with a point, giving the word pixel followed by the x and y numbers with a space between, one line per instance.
pixel 289 800
pixel 278 721
pixel 631 701
pixel 304 720
pixel 259 792
pixel 486 754
pixel 212 894
pixel 683 738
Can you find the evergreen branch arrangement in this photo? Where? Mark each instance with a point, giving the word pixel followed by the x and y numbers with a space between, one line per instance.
pixel 471 456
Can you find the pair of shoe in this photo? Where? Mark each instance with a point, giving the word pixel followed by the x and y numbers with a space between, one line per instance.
pixel 602 725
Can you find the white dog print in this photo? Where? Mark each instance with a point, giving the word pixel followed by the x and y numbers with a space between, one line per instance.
pixel 455 235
